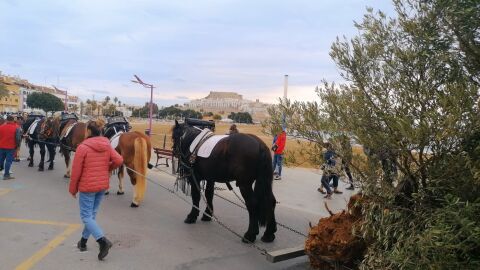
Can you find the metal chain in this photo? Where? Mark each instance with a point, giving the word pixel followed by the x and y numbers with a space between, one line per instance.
pixel 212 216
pixel 245 208
pixel 263 251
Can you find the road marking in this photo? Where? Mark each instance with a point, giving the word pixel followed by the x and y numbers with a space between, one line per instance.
pixel 44 251
pixel 37 222
pixel 4 191
pixel 30 262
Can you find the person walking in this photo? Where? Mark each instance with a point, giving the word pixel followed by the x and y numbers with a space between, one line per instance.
pixel 17 150
pixel 346 146
pixel 331 172
pixel 93 162
pixel 10 139
pixel 233 129
pixel 277 148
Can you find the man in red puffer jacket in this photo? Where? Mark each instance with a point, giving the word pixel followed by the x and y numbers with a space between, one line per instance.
pixel 93 162
pixel 10 139
pixel 277 148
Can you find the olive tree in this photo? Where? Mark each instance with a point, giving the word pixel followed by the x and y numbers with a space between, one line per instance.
pixel 410 96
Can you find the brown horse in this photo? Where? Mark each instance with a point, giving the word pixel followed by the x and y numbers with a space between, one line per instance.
pixel 135 149
pixel 70 141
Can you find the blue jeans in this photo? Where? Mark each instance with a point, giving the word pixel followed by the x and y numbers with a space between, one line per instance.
pixel 326 182
pixel 89 203
pixel 277 161
pixel 6 159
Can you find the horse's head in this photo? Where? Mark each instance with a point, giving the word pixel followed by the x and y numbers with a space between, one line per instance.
pixel 182 136
pixel 49 128
pixel 177 133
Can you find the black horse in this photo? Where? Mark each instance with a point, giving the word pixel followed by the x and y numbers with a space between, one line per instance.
pixel 243 158
pixel 45 135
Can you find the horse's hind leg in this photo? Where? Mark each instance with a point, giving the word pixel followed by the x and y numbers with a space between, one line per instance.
pixel 192 217
pixel 209 191
pixel 271 229
pixel 66 155
pixel 250 201
pixel 51 153
pixel 31 147
pixel 42 156
pixel 121 174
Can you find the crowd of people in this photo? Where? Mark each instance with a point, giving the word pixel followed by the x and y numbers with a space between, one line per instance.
pixel 332 168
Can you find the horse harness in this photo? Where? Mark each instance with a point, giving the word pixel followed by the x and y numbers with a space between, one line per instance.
pixel 201 138
pixel 116 125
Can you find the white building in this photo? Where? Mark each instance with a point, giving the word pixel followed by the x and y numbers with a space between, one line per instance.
pixel 24 93
pixel 125 110
pixel 229 102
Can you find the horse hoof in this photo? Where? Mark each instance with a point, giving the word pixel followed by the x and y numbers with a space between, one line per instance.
pixel 106 193
pixel 133 205
pixel 206 218
pixel 268 238
pixel 30 164
pixel 190 220
pixel 247 238
pixel 40 169
pixel 50 168
pixel 120 192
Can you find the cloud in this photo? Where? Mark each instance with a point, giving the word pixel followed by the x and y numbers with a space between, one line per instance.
pixel 104 92
pixel 185 48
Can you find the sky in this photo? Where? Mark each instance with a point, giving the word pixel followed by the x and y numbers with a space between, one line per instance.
pixel 186 48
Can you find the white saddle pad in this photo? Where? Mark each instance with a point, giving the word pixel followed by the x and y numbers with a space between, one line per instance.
pixel 206 148
pixel 199 137
pixel 33 126
pixel 69 128
pixel 115 140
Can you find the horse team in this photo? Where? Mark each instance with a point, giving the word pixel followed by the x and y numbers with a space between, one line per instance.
pixel 65 131
pixel 242 158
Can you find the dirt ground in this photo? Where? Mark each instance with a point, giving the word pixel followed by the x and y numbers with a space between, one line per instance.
pixel 162 138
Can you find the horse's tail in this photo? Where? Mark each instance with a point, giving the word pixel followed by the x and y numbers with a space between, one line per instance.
pixel 140 163
pixel 263 186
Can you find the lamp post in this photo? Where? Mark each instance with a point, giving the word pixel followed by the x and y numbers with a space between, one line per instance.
pixel 146 85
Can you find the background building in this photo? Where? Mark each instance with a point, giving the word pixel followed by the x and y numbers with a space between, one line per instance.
pixel 11 102
pixel 19 90
pixel 226 102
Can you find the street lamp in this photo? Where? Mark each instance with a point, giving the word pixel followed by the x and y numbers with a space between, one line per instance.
pixel 146 85
pixel 66 97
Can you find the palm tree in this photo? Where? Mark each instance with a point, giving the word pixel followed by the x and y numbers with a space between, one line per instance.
pixel 82 105
pixel 115 99
pixel 94 106
pixel 89 106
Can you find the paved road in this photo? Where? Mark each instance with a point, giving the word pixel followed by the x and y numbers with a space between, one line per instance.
pixel 39 225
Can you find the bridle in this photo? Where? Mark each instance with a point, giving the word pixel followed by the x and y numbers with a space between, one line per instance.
pixel 117 128
pixel 48 129
pixel 177 147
